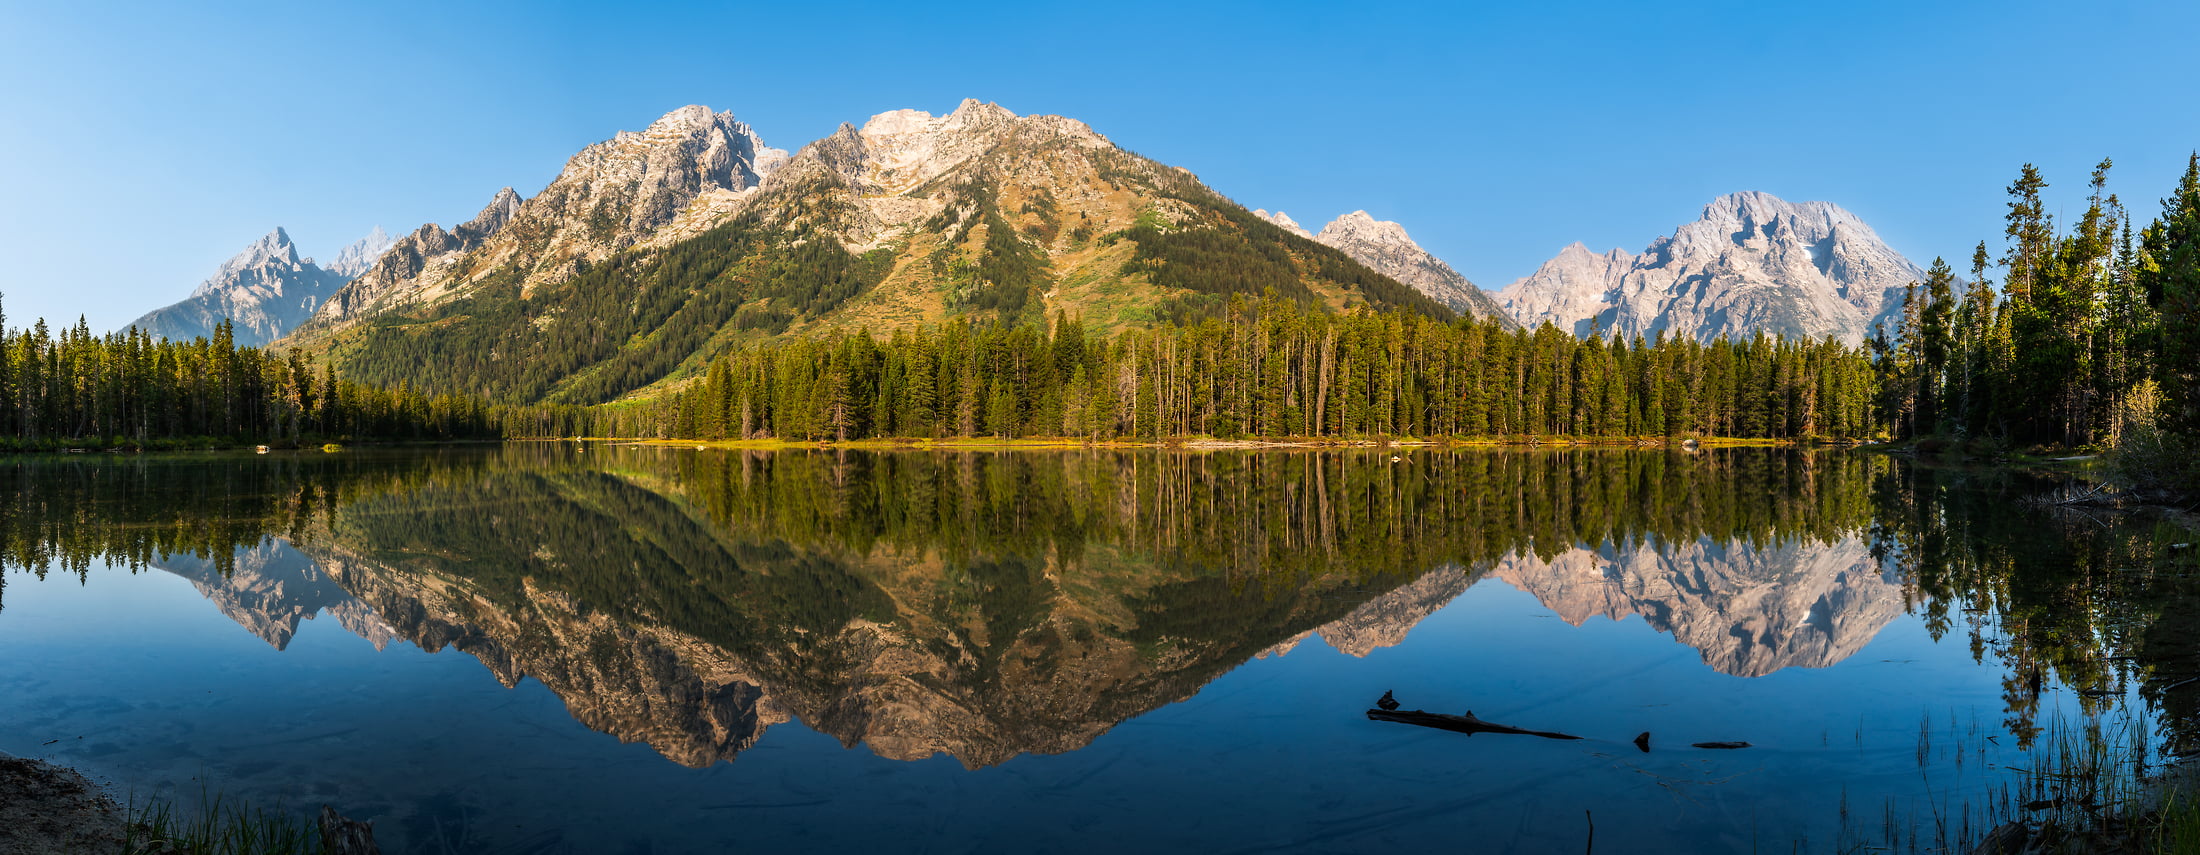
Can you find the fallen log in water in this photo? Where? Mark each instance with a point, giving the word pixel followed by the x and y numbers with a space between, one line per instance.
pixel 1466 724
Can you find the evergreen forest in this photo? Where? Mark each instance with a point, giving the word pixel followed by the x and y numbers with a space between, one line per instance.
pixel 1265 368
pixel 2094 330
pixel 132 390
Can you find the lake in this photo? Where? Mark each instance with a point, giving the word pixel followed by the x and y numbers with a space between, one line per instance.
pixel 558 647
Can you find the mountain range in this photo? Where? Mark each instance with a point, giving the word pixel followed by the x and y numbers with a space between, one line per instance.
pixel 265 291
pixel 655 250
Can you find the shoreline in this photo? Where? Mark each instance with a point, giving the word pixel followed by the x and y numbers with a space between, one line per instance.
pixel 1195 443
pixel 201 446
pixel 46 807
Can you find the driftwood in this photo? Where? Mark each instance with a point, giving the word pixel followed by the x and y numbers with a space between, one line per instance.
pixel 1466 724
pixel 2008 839
pixel 1722 745
pixel 340 836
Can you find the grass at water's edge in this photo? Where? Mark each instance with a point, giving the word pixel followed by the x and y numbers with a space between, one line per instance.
pixel 2095 784
pixel 2086 785
pixel 219 826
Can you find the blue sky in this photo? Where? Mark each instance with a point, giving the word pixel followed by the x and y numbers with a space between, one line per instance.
pixel 143 144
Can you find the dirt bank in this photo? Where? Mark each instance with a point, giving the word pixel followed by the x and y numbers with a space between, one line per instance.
pixel 46 808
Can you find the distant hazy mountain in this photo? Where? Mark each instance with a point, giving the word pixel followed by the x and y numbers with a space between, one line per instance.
pixel 356 258
pixel 1751 262
pixel 1384 247
pixel 266 290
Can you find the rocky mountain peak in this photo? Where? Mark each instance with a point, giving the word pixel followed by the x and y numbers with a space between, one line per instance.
pixel 1576 283
pixel 903 149
pixel 493 217
pixel 1751 261
pixel 264 291
pixel 621 192
pixel 684 121
pixel 1578 252
pixel 1740 218
pixel 1284 221
pixel 273 248
pixel 1385 248
pixel 610 196
pixel 274 243
pixel 972 113
pixel 1360 226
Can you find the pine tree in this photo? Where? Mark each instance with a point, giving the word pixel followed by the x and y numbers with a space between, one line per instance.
pixel 2172 283
pixel 1937 334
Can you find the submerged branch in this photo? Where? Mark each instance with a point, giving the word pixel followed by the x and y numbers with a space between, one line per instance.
pixel 1466 724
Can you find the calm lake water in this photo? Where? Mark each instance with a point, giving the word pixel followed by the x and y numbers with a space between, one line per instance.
pixel 555 648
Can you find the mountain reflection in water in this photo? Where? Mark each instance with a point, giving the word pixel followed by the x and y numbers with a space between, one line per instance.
pixel 1750 610
pixel 1094 647
pixel 988 605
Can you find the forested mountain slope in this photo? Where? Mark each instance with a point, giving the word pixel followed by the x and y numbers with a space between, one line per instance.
pixel 656 251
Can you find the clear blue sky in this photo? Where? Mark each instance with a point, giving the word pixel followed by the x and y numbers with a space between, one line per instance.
pixel 143 144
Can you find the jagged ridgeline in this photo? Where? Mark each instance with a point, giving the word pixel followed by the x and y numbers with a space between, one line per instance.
pixel 656 251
